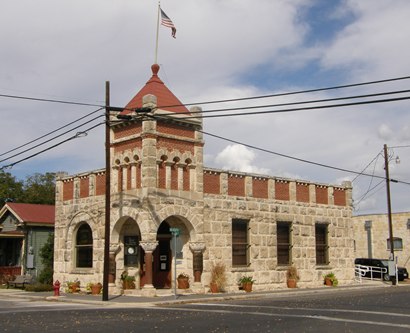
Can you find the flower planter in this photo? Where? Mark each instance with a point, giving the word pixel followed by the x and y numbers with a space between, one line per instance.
pixel 291 283
pixel 328 282
pixel 96 289
pixel 214 287
pixel 247 286
pixel 183 283
pixel 128 284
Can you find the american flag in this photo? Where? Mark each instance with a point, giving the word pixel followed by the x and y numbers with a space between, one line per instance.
pixel 166 21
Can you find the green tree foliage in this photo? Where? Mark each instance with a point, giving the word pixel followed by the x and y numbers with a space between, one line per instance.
pixel 36 189
pixel 47 258
pixel 40 189
pixel 10 188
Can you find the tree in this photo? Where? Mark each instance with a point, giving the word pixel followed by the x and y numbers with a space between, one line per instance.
pixel 10 188
pixel 40 189
pixel 47 258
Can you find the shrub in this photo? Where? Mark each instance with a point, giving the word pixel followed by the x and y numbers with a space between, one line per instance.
pixel 292 273
pixel 37 287
pixel 218 275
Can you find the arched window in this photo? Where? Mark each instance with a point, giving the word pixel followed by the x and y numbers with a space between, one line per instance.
pixel 84 246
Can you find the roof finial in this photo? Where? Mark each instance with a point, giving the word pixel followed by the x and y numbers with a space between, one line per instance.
pixel 155 69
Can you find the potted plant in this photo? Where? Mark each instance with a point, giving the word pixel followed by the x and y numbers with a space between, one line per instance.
pixel 218 277
pixel 73 286
pixel 292 277
pixel 128 281
pixel 246 282
pixel 183 281
pixel 330 279
pixel 94 288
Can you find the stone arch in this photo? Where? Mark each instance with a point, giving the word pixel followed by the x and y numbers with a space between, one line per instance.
pixel 145 219
pixel 79 218
pixel 191 221
pixel 118 227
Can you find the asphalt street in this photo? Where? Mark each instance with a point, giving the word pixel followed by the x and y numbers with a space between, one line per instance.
pixel 334 309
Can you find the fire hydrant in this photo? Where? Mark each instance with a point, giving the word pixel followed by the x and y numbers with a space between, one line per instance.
pixel 56 287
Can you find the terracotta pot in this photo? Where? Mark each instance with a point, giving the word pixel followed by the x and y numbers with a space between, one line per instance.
pixel 128 284
pixel 247 286
pixel 291 283
pixel 328 282
pixel 183 283
pixel 74 288
pixel 96 289
pixel 214 287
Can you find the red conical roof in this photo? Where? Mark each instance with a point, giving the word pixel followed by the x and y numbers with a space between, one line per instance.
pixel 166 100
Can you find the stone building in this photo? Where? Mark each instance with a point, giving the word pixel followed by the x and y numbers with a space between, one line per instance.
pixel 372 238
pixel 254 224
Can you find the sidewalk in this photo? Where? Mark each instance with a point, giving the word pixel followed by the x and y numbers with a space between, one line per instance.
pixel 169 298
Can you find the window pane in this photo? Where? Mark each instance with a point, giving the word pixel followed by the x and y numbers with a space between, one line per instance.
pixel 283 243
pixel 84 247
pixel 239 255
pixel 85 257
pixel 240 245
pixel 321 244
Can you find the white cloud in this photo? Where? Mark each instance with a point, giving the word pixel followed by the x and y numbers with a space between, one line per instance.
pixel 385 132
pixel 224 49
pixel 238 158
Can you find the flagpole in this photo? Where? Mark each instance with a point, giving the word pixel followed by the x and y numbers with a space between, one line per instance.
pixel 156 45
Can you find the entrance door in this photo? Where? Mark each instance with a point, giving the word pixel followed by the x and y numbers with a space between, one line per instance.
pixel 162 258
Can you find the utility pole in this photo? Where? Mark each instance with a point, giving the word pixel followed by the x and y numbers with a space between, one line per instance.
pixel 386 168
pixel 107 194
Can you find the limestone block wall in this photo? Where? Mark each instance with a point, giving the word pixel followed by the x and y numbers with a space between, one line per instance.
pixel 207 217
pixel 69 216
pixel 263 216
pixel 371 241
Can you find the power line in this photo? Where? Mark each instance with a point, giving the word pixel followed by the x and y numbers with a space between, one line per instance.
pixel 293 92
pixel 375 158
pixel 53 138
pixel 298 159
pixel 364 196
pixel 49 133
pixel 298 103
pixel 49 100
pixel 222 100
pixel 77 135
pixel 328 106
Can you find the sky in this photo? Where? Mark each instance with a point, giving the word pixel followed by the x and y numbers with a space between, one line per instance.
pixel 224 49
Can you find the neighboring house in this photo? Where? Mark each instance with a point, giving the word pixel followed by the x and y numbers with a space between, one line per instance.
pixel 24 229
pixel 256 225
pixel 372 238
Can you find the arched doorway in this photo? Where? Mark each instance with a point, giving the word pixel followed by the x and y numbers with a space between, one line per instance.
pixel 162 258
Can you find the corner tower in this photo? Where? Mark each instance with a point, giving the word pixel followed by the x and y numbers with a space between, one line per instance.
pixel 160 150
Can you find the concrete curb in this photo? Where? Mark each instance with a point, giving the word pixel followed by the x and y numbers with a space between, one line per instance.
pixel 136 301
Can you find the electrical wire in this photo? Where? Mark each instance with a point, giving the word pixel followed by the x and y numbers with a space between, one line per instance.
pixel 77 135
pixel 222 100
pixel 328 106
pixel 297 103
pixel 53 138
pixel 291 93
pixel 365 195
pixel 373 160
pixel 299 159
pixel 49 133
